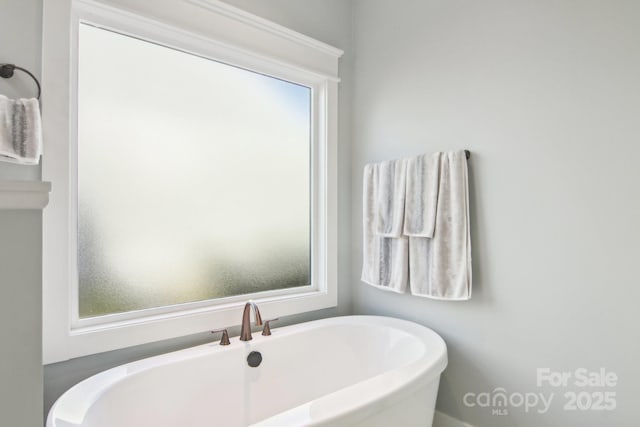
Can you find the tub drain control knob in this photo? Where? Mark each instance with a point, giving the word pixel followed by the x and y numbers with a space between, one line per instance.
pixel 254 359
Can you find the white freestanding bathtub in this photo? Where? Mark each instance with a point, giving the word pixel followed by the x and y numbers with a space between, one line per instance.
pixel 364 371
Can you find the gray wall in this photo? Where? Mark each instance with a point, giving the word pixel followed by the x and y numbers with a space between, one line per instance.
pixel 21 318
pixel 546 95
pixel 21 35
pixel 20 240
pixel 328 21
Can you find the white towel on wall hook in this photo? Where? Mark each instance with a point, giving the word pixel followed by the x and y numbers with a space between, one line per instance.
pixel 423 179
pixel 390 197
pixel 20 131
pixel 385 259
pixel 440 267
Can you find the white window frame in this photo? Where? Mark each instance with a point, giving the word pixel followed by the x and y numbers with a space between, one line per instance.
pixel 219 32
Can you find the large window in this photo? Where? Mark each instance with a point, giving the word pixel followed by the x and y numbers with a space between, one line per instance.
pixel 193 177
pixel 193 169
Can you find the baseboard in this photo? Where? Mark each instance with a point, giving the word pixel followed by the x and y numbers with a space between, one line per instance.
pixel 443 420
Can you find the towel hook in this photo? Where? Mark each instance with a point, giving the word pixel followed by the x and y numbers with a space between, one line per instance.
pixel 6 72
pixel 467 154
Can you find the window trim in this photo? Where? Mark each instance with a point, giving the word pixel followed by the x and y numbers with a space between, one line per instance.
pixel 278 55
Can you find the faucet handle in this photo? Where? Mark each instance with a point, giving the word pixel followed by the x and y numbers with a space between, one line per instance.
pixel 266 331
pixel 225 336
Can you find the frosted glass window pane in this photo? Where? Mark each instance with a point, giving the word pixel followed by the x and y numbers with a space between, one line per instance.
pixel 193 177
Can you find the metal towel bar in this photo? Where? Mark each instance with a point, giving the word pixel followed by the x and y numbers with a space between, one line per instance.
pixel 6 72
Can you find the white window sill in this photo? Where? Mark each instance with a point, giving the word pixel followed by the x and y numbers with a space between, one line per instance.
pixel 109 336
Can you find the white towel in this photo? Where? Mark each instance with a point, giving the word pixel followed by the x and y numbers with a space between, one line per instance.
pixel 385 259
pixel 390 198
pixel 440 267
pixel 20 131
pixel 423 178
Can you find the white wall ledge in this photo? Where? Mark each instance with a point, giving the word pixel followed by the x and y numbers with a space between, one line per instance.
pixel 24 194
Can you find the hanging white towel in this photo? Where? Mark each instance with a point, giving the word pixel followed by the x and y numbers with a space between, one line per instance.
pixel 440 267
pixel 385 259
pixel 390 198
pixel 20 131
pixel 423 178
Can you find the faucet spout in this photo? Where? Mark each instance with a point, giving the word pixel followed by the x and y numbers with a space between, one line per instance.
pixel 245 331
